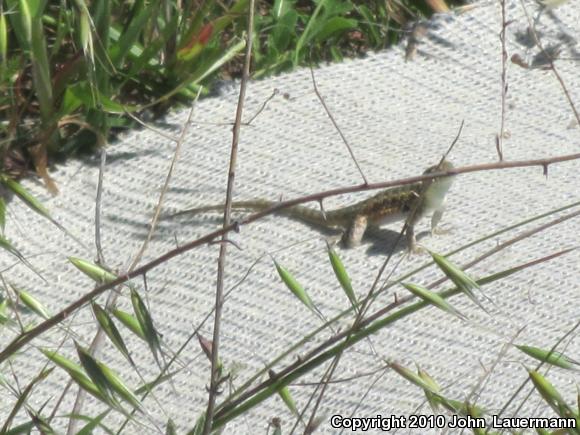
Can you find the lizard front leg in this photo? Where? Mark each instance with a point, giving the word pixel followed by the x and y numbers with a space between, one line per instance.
pixel 436 218
pixel 355 231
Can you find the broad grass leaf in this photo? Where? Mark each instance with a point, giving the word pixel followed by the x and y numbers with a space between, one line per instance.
pixel 199 424
pixel 284 31
pixel 335 25
pixel 26 21
pixel 21 429
pixel 170 428
pixel 130 36
pixel 282 7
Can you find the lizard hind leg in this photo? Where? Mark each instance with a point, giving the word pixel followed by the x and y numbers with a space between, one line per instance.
pixel 355 231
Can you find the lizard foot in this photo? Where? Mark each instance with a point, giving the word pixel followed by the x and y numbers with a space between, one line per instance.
pixel 416 250
pixel 437 231
pixel 333 241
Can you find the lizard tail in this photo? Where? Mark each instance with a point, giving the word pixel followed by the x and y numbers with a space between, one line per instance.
pixel 302 213
pixel 255 205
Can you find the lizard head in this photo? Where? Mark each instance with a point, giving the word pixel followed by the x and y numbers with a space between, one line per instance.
pixel 444 166
pixel 438 187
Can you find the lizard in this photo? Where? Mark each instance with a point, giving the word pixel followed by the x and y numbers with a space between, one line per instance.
pixel 409 202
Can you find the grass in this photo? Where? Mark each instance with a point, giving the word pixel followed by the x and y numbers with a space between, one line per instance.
pixel 69 71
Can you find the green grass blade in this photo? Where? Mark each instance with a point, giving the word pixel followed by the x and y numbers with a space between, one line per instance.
pixel 306 34
pixel 3 38
pixel 433 299
pixel 281 7
pixel 413 378
pixel 25 196
pixel 129 37
pixel 118 386
pixel 41 69
pixel 342 276
pixel 146 324
pixel 2 215
pixel 130 323
pixel 93 271
pixel 548 391
pixel 462 280
pixel 21 429
pixel 26 22
pixel 93 423
pixel 111 330
pixel 335 25
pixel 551 357
pixel 294 286
pixel 95 373
pixel 76 373
pixel 33 304
pixel 286 397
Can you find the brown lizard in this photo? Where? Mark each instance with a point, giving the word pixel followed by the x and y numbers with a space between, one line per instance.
pixel 409 202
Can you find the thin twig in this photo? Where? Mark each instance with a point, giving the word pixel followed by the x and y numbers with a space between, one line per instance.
pixel 98 202
pixel 504 56
pixel 153 129
pixel 348 147
pixel 24 338
pixel 261 109
pixel 219 296
pixel 159 206
pixel 366 393
pixel 552 65
pixel 325 381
